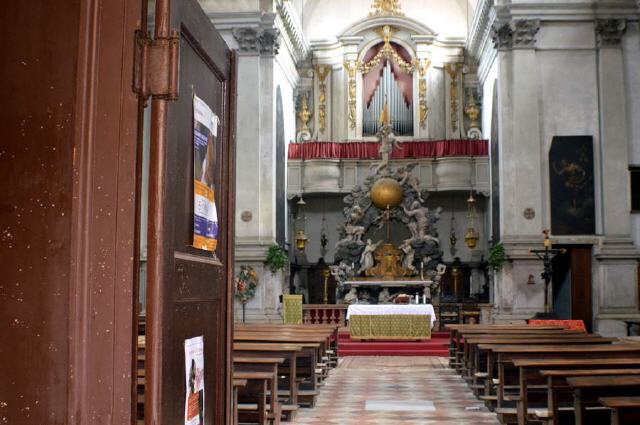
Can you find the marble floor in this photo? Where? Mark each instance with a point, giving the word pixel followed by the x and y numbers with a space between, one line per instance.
pixel 395 390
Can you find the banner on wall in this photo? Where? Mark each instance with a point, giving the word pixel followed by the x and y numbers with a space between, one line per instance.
pixel 205 216
pixel 194 368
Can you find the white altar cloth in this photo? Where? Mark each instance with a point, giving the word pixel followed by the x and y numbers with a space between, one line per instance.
pixel 384 309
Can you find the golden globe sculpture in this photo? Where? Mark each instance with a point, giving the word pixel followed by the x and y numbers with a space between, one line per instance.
pixel 386 192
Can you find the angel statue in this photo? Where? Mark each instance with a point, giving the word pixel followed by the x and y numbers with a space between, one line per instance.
pixel 421 216
pixel 409 253
pixel 404 176
pixel 366 258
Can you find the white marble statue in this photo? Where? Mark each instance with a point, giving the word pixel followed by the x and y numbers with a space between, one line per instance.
pixel 366 258
pixel 351 297
pixel 384 297
pixel 409 253
pixel 404 176
pixel 421 216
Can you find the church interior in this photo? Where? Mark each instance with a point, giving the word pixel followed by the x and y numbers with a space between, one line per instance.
pixel 320 212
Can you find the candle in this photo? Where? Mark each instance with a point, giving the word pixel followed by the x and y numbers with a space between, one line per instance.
pixel 424 299
pixel 417 299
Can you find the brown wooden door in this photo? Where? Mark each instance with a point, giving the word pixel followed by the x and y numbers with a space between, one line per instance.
pixel 581 304
pixel 188 292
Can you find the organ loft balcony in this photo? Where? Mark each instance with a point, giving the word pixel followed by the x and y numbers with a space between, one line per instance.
pixel 336 167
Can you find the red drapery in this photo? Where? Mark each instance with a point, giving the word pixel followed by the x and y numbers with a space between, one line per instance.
pixel 371 80
pixel 369 150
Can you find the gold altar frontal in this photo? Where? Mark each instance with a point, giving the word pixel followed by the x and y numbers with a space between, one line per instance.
pixel 390 326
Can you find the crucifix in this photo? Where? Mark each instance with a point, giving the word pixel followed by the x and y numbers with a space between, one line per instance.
pixel 546 255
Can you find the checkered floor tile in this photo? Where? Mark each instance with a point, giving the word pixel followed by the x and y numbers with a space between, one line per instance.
pixel 395 390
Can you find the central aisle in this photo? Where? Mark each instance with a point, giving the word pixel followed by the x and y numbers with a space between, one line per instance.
pixel 395 390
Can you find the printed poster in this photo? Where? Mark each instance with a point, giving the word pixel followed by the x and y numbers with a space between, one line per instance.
pixel 205 216
pixel 194 368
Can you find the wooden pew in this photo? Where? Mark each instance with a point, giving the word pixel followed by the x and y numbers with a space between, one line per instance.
pixel 506 354
pixel 287 351
pixel 557 384
pixel 256 390
pixel 588 390
pixel 264 364
pixel 472 354
pixel 237 383
pixel 624 410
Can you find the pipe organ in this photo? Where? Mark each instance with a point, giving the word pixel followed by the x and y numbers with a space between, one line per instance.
pixel 401 112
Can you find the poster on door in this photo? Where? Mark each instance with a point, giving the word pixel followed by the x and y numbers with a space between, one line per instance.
pixel 194 368
pixel 205 216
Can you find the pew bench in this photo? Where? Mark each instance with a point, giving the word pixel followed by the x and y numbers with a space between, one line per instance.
pixel 624 410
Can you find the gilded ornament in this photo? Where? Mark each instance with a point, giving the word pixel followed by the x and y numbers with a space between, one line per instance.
pixel 305 113
pixel 472 110
pixel 322 71
pixel 387 52
pixel 386 8
pixel 351 67
pixel 453 70
pixel 386 192
pixel 423 67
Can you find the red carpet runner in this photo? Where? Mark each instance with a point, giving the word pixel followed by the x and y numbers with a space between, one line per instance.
pixel 438 345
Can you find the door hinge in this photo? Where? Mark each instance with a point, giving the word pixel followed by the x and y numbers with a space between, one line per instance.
pixel 156 66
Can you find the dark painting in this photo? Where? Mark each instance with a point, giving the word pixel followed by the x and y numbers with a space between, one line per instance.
pixel 571 182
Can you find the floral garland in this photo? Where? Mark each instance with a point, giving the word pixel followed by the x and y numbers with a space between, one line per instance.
pixel 246 283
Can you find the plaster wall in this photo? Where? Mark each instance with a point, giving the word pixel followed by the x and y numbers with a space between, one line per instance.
pixel 324 19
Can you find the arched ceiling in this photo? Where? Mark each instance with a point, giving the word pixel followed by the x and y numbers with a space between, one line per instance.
pixel 324 20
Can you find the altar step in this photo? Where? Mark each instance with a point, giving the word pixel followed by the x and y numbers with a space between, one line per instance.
pixel 438 345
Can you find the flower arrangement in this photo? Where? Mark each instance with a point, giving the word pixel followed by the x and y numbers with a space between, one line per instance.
pixel 246 283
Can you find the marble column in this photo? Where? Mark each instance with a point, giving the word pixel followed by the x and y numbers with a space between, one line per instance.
pixel 616 276
pixel 520 168
pixel 256 165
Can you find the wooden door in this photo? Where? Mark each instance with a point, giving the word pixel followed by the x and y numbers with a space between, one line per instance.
pixel 189 291
pixel 581 303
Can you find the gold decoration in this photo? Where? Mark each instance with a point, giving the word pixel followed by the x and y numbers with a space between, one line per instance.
pixel 388 263
pixel 390 326
pixel 305 113
pixel 453 70
pixel 301 240
pixel 387 52
pixel 471 237
pixel 292 309
pixel 472 111
pixel 386 8
pixel 322 72
pixel 423 68
pixel 386 192
pixel 351 67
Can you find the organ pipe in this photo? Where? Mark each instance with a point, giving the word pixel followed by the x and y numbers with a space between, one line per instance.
pixel 401 113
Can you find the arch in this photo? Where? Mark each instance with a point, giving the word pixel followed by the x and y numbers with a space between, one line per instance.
pixel 402 22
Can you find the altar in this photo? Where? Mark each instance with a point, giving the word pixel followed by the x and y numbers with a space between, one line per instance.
pixel 391 321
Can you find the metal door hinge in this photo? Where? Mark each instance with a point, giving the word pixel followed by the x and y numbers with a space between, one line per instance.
pixel 156 66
